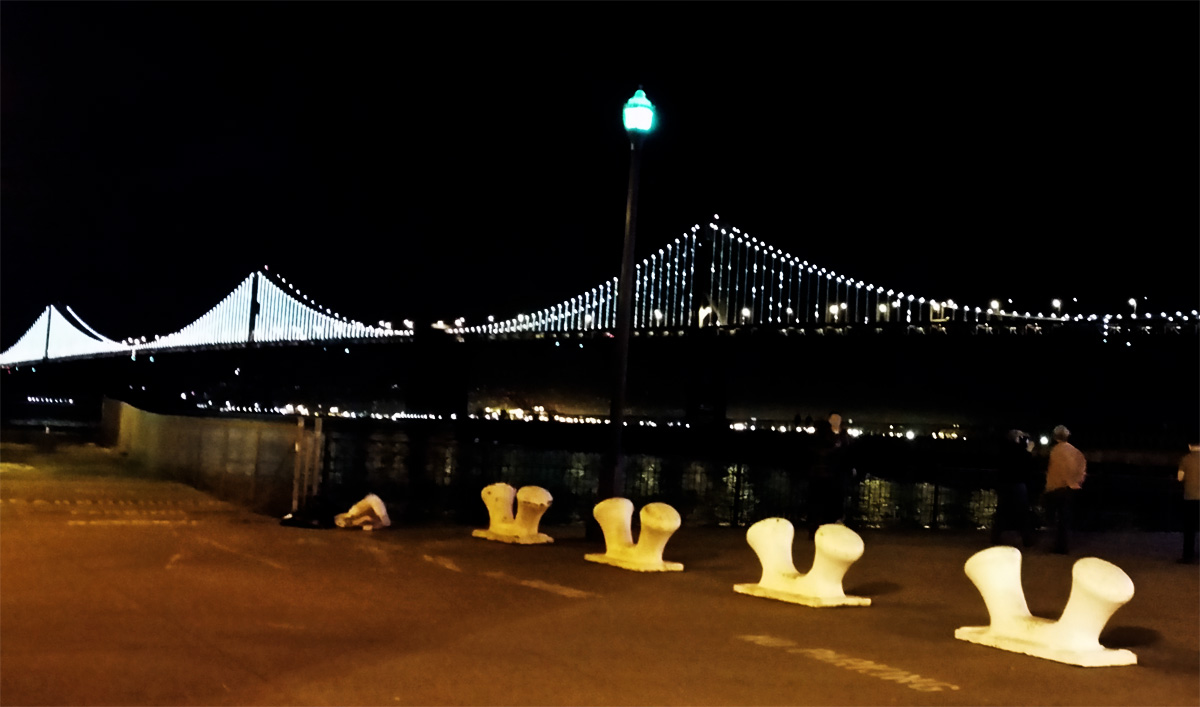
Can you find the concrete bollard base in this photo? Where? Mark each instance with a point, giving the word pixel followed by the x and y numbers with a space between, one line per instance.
pixel 1104 657
pixel 537 539
pixel 757 590
pixel 635 564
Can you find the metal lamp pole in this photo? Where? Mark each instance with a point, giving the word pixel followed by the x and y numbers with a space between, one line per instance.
pixel 639 121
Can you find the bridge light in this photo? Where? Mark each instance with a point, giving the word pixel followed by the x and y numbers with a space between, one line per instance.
pixel 995 305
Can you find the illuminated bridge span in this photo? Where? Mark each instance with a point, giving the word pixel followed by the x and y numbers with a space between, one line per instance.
pixel 258 310
pixel 708 277
pixel 718 276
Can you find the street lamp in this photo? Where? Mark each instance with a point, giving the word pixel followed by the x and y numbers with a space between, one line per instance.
pixel 638 116
pixel 1133 303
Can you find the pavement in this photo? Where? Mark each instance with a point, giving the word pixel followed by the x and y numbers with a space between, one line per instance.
pixel 118 589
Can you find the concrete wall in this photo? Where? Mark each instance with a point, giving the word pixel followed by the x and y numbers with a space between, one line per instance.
pixel 248 462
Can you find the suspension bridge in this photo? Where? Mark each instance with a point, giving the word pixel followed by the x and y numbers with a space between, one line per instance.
pixel 710 276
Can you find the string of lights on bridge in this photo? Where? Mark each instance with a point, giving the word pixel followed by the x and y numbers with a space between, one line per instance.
pixel 708 277
pixel 258 310
pixel 753 283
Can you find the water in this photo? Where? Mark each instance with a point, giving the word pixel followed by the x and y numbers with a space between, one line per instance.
pixel 436 472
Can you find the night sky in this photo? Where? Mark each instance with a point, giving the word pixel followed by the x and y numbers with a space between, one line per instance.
pixel 436 160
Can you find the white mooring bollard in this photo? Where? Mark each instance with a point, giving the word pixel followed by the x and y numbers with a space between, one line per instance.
pixel 837 547
pixel 1098 589
pixel 368 514
pixel 532 502
pixel 659 523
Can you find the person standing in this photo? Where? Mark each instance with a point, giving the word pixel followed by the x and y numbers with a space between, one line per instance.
pixel 1189 474
pixel 827 476
pixel 1065 474
pixel 1015 465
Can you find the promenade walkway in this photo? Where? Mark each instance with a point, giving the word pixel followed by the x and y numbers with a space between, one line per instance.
pixel 119 590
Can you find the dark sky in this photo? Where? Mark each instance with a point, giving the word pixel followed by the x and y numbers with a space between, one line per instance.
pixel 436 160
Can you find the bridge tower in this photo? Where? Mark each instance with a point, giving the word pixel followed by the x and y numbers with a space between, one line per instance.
pixel 253 306
pixel 706 396
pixel 702 267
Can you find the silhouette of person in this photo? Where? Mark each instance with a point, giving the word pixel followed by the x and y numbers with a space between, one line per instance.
pixel 1189 474
pixel 827 475
pixel 1065 474
pixel 1015 469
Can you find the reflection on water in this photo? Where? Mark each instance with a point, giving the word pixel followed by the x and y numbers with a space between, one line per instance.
pixel 441 477
pixel 438 475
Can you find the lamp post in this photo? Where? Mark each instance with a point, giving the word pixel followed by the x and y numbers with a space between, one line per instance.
pixel 639 121
pixel 1133 303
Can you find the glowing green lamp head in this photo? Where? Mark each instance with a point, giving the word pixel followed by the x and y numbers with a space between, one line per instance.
pixel 639 114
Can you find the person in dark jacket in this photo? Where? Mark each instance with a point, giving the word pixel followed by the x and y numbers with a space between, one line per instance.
pixel 827 476
pixel 1015 472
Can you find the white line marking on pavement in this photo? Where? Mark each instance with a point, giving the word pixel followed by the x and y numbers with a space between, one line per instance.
pixel 544 586
pixel 866 667
pixel 379 553
pixel 443 562
pixel 265 561
pixel 130 521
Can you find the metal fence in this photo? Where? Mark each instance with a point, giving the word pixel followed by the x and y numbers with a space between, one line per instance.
pixel 439 474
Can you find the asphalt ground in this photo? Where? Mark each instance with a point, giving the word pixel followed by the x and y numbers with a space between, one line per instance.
pixel 120 590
